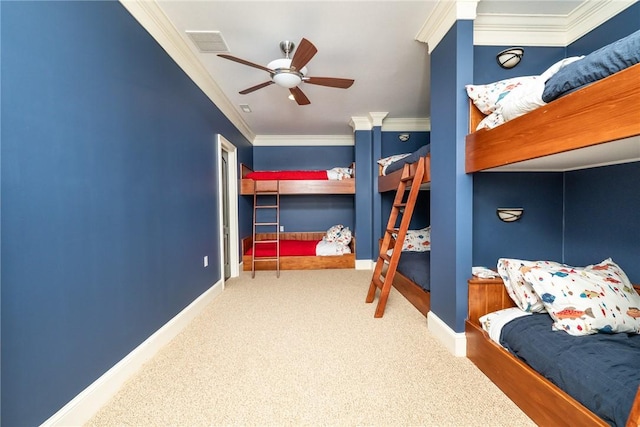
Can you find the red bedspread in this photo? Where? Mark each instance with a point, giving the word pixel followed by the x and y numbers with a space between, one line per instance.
pixel 287 175
pixel 287 248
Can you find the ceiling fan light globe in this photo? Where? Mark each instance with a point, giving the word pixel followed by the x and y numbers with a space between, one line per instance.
pixel 287 79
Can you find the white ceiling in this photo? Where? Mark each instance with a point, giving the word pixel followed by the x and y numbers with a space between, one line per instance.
pixel 373 42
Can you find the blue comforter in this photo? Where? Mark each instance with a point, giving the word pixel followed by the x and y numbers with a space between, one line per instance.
pixel 597 65
pixel 411 158
pixel 601 371
pixel 416 266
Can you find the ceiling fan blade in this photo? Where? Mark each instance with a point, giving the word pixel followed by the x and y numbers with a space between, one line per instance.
pixel 242 61
pixel 299 96
pixel 303 54
pixel 330 81
pixel 256 87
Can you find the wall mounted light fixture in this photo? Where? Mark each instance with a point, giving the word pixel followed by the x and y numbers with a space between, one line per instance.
pixel 511 57
pixel 404 137
pixel 509 214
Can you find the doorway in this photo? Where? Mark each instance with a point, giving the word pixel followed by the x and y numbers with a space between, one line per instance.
pixel 228 202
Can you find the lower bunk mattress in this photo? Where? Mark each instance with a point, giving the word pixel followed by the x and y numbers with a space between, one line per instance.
pixel 298 251
pixel 601 371
pixel 416 266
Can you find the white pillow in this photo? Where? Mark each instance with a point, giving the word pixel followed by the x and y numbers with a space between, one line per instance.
pixel 557 66
pixel 338 174
pixel 487 97
pixel 386 161
pixel 523 99
pixel 493 322
pixel 523 96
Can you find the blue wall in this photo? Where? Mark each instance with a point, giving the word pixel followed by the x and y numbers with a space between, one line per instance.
pixel 615 28
pixel 534 62
pixel 308 213
pixel 392 145
pixel 537 235
pixel 603 217
pixel 109 182
pixel 451 187
pixel 365 247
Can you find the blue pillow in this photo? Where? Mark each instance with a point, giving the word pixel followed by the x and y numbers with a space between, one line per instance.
pixel 597 65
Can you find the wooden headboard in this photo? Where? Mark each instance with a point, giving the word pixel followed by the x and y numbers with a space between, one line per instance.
pixel 487 295
pixel 475 116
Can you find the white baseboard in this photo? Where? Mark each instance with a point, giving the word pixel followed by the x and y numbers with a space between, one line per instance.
pixel 456 343
pixel 86 404
pixel 364 264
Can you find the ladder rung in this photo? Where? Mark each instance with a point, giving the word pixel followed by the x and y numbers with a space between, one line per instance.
pixel 400 205
pixel 376 281
pixel 265 223
pixel 385 257
pixel 393 230
pixel 256 259
pixel 266 241
pixel 407 178
pixel 266 206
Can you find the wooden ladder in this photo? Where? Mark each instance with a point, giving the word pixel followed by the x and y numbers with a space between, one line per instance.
pixel 404 209
pixel 271 189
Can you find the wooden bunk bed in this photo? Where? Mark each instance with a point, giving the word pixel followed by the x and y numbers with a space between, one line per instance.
pixel 577 127
pixel 298 262
pixel 410 177
pixel 278 183
pixel 301 186
pixel 413 292
pixel 606 111
pixel 541 400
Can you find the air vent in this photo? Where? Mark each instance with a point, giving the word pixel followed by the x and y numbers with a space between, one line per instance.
pixel 208 41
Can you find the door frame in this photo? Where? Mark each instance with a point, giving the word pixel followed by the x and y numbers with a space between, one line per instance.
pixel 232 191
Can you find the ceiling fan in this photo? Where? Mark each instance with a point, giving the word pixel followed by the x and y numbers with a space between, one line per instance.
pixel 290 72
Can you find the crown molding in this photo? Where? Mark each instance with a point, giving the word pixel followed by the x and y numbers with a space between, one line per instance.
pixel 360 123
pixel 406 125
pixel 545 30
pixel 376 118
pixel 444 15
pixel 305 140
pixel 527 30
pixel 590 15
pixel 153 19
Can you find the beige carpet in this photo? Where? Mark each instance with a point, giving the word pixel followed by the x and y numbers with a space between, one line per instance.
pixel 304 349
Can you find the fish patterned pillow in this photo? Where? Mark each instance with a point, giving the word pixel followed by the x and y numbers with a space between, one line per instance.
pixel 512 272
pixel 598 298
pixel 416 240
